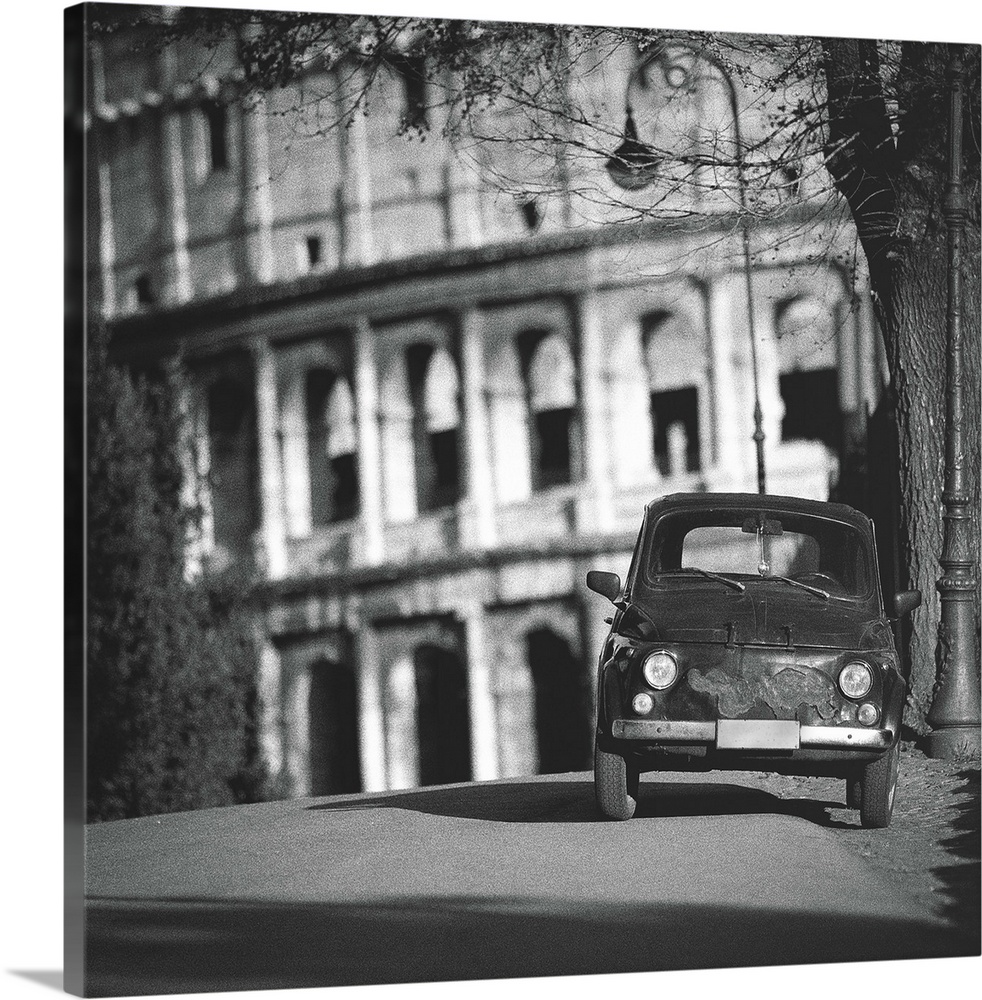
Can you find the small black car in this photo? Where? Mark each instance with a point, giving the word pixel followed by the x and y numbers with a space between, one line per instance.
pixel 750 635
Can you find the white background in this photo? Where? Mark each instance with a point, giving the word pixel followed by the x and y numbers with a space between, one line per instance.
pixel 30 419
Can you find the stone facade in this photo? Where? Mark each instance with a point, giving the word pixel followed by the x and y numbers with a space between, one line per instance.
pixel 426 410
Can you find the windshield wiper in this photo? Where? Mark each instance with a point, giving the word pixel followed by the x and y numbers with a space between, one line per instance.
pixel 817 591
pixel 735 584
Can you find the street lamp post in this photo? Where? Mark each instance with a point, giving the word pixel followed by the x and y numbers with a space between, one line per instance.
pixel 954 715
pixel 634 165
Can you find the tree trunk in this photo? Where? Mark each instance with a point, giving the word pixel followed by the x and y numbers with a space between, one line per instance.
pixel 895 180
pixel 916 348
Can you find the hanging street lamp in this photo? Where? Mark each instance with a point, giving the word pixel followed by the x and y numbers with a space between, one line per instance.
pixel 634 165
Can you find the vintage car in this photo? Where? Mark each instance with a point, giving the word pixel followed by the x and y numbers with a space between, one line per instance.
pixel 750 635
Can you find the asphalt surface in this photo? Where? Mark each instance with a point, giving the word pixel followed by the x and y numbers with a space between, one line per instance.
pixel 517 877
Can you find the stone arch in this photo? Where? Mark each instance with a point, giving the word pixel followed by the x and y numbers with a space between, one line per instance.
pixel 552 402
pixel 341 433
pixel 676 363
pixel 233 463
pixel 563 716
pixel 442 715
pixel 332 446
pixel 441 392
pixel 342 448
pixel 807 354
pixel 552 375
pixel 333 730
pixel 805 329
pixel 438 465
pixel 398 449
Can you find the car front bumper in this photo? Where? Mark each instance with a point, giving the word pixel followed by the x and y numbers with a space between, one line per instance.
pixel 654 733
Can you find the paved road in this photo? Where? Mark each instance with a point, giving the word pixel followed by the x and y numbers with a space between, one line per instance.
pixel 510 878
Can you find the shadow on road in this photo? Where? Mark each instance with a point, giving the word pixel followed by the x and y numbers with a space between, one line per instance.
pixel 571 801
pixel 664 799
pixel 960 882
pixel 178 945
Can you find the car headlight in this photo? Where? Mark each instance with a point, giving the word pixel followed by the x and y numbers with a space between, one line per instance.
pixel 856 679
pixel 868 713
pixel 660 669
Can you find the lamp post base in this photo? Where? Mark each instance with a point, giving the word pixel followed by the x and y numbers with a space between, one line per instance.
pixel 952 742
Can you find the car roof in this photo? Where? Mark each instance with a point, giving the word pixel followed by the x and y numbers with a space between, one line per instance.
pixel 758 501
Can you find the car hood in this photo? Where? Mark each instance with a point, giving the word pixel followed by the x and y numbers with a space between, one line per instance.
pixel 762 616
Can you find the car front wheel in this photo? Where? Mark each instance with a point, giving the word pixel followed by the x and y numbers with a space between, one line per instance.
pixel 879 788
pixel 616 784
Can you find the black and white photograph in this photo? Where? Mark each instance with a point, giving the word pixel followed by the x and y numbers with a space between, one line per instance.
pixel 522 499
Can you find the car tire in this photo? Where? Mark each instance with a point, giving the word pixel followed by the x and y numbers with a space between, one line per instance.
pixel 616 785
pixel 879 789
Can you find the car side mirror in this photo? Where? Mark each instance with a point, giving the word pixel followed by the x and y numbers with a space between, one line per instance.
pixel 606 584
pixel 905 601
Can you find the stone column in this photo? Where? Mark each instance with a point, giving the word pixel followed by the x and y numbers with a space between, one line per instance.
pixel 174 189
pixel 257 206
pixel 272 525
pixel 269 691
pixel 194 483
pixel 372 549
pixel 296 458
pixel 175 207
pixel 627 387
pixel 565 145
pixel 356 172
pixel 678 447
pixel 852 402
pixel 510 438
pixel 97 138
pixel 874 372
pixel 484 724
pixel 595 504
pixel 202 437
pixel 107 236
pixel 461 181
pixel 845 328
pixel 462 198
pixel 401 729
pixel 733 448
pixel 296 730
pixel 371 717
pixel 594 613
pixel 477 509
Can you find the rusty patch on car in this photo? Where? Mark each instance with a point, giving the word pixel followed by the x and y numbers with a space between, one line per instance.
pixel 782 693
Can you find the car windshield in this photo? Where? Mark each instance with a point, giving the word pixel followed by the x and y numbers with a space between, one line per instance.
pixel 803 552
